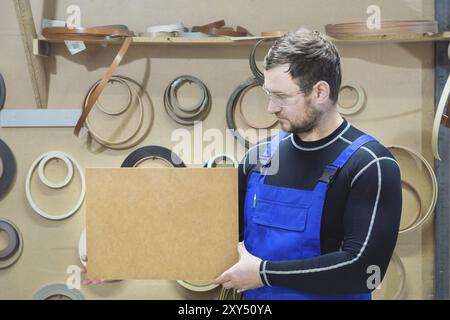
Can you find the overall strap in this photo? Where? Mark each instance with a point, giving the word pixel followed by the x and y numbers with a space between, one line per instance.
pixel 266 158
pixel 271 148
pixel 332 169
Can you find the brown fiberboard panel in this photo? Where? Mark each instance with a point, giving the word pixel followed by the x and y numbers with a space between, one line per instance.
pixel 161 223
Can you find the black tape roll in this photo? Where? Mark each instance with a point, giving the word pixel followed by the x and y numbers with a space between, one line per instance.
pixel 2 92
pixel 231 107
pixel 14 240
pixel 9 167
pixel 179 115
pixel 152 152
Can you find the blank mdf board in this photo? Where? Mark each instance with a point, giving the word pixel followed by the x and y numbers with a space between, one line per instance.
pixel 161 223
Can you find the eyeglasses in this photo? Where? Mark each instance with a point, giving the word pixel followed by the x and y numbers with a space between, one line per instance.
pixel 282 98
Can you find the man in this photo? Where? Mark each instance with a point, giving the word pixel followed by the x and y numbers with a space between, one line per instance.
pixel 325 224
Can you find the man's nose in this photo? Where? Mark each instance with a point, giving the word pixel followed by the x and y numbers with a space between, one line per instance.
pixel 273 107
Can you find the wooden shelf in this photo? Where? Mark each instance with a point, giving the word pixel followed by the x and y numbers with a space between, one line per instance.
pixel 40 45
pixel 396 38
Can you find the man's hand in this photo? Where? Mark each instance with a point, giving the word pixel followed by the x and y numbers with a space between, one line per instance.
pixel 243 275
pixel 89 282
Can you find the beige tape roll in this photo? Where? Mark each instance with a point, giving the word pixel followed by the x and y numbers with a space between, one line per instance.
pixel 29 196
pixel 412 206
pixel 426 213
pixel 438 119
pixel 111 143
pixel 197 286
pixel 360 101
pixel 127 105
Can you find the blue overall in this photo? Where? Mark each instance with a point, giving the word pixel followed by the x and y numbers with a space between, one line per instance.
pixel 284 223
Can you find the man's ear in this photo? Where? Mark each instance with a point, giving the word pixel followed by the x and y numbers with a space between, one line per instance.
pixel 321 92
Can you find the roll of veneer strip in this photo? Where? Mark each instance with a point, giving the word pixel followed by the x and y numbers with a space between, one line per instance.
pixel 394 282
pixel 28 193
pixel 150 153
pixel 134 98
pixel 58 291
pixel 186 34
pixel 345 30
pixel 231 108
pixel 360 99
pixel 9 168
pixel 41 170
pixel 2 92
pixel 412 165
pixel 440 118
pixel 276 34
pixel 12 252
pixel 197 286
pixel 157 34
pixel 183 115
pixel 252 59
pixel 94 34
pixel 241 109
pixel 212 163
pixel 166 28
pixel 137 99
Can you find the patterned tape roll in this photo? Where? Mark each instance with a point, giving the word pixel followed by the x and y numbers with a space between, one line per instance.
pixel 183 115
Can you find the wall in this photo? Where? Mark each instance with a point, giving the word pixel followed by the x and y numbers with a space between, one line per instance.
pixel 398 80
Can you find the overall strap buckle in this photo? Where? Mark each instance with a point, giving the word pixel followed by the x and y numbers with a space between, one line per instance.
pixel 330 173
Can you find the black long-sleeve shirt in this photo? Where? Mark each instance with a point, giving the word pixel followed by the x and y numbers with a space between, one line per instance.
pixel 361 214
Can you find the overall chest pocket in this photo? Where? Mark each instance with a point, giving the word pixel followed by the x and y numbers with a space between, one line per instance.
pixel 281 215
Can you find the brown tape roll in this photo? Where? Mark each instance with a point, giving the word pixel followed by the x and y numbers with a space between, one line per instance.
pixel 344 30
pixel 92 34
pixel 273 33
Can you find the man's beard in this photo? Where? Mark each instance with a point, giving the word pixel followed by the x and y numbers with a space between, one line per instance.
pixel 309 122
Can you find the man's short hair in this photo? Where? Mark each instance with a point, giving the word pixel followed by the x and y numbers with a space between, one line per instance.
pixel 311 57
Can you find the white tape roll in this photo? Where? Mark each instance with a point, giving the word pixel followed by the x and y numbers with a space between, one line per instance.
pixel 30 197
pixel 166 28
pixel 213 161
pixel 360 101
pixel 438 119
pixel 43 163
pixel 82 247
